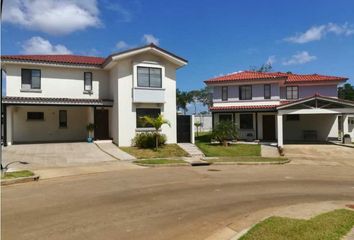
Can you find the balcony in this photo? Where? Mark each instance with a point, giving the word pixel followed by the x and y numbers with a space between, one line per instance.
pixel 148 95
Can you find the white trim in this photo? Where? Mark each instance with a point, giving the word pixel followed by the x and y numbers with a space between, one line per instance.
pixel 317 111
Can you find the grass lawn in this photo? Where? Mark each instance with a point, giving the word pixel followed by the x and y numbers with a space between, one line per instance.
pixel 167 151
pixel 159 161
pixel 18 174
pixel 246 159
pixel 215 150
pixel 328 226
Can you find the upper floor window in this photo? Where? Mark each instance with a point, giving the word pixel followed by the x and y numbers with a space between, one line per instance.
pixel 267 91
pixel 292 92
pixel 224 93
pixel 245 92
pixel 149 77
pixel 31 79
pixel 88 81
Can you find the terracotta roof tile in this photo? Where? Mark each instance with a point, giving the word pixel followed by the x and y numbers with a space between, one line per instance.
pixel 55 101
pixel 253 107
pixel 66 59
pixel 288 77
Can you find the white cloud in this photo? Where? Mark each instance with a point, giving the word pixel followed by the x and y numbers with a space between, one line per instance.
pixel 38 45
pixel 52 16
pixel 316 33
pixel 121 45
pixel 300 58
pixel 271 60
pixel 149 38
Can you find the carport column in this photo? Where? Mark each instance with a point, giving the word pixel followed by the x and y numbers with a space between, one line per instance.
pixel 280 129
pixel 9 123
pixel 345 124
pixel 192 128
pixel 91 117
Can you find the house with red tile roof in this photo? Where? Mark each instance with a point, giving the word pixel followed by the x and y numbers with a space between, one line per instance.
pixel 282 107
pixel 52 98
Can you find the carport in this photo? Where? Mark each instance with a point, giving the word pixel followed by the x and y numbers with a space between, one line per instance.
pixel 314 119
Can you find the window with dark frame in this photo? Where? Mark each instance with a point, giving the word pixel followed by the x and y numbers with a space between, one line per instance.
pixel 225 117
pixel 88 81
pixel 141 112
pixel 292 92
pixel 293 117
pixel 30 79
pixel 245 92
pixel 63 119
pixel 246 121
pixel 267 91
pixel 224 93
pixel 36 116
pixel 149 77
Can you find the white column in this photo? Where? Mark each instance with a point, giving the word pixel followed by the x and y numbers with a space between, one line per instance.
pixel 9 124
pixel 91 117
pixel 280 129
pixel 192 129
pixel 345 124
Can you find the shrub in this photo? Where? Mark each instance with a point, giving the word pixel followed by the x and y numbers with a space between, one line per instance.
pixel 224 131
pixel 148 139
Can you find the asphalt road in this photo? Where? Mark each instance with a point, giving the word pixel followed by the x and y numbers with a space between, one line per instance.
pixel 162 203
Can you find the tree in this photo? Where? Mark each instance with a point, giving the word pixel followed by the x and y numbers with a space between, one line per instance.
pixel 266 67
pixel 197 125
pixel 182 100
pixel 224 131
pixel 194 98
pixel 205 96
pixel 346 92
pixel 157 124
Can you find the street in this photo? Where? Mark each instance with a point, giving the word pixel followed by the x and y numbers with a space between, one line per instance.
pixel 162 203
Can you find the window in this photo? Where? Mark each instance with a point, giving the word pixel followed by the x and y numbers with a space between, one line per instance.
pixel 292 92
pixel 88 81
pixel 31 79
pixel 35 116
pixel 63 119
pixel 267 91
pixel 225 117
pixel 293 117
pixel 224 93
pixel 141 112
pixel 245 92
pixel 246 121
pixel 149 77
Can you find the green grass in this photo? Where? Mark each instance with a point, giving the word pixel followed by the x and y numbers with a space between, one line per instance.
pixel 166 151
pixel 159 161
pixel 246 159
pixel 18 174
pixel 328 226
pixel 216 150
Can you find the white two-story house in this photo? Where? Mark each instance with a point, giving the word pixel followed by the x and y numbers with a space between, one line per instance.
pixel 282 106
pixel 52 98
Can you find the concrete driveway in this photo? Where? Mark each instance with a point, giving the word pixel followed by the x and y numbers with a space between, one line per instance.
pixel 320 154
pixel 56 155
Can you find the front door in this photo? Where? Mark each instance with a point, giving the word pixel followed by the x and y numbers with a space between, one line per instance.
pixel 101 124
pixel 268 127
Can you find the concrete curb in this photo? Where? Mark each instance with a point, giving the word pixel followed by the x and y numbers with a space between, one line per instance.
pixel 251 163
pixel 162 165
pixel 5 182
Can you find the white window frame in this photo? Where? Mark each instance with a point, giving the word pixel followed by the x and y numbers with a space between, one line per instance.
pixel 149 65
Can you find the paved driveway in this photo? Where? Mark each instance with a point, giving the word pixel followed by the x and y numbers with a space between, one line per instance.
pixel 51 155
pixel 320 154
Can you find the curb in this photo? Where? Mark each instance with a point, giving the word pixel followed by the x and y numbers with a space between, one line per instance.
pixel 163 165
pixel 5 182
pixel 251 163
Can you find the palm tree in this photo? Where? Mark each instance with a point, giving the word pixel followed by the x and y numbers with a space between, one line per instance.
pixel 157 124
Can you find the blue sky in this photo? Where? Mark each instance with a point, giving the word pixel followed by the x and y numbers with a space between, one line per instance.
pixel 217 37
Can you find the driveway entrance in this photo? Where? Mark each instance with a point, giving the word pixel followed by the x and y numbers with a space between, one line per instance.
pixel 319 154
pixel 50 155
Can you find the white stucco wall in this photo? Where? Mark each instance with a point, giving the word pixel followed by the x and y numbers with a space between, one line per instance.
pixel 58 82
pixel 48 130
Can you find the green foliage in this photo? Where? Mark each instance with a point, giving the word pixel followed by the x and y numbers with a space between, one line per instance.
pixel 90 127
pixel 148 140
pixel 346 92
pixel 182 100
pixel 157 124
pixel 266 67
pixel 224 130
